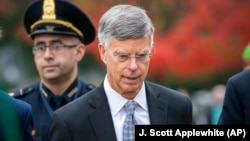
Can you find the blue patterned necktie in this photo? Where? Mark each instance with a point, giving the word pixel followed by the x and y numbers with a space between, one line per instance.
pixel 129 124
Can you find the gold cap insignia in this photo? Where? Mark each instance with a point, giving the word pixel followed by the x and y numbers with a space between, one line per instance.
pixel 49 9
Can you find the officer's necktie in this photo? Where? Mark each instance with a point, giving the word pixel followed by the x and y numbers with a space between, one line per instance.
pixel 129 124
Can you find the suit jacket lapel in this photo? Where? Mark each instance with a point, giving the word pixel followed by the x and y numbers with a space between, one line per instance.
pixel 101 118
pixel 157 107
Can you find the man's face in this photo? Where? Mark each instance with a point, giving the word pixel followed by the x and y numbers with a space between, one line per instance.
pixel 55 61
pixel 127 64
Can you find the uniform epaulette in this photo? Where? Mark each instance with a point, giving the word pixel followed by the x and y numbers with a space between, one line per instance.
pixel 22 91
pixel 90 86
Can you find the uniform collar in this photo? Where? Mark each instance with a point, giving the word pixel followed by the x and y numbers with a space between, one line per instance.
pixel 68 95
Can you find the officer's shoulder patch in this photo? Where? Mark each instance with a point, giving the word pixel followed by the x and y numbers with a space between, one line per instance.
pixel 22 91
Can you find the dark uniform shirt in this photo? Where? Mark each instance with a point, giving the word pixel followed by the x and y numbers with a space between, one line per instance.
pixel 43 103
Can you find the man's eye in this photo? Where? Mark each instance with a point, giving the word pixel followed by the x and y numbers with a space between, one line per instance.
pixel 123 56
pixel 40 48
pixel 57 45
pixel 141 55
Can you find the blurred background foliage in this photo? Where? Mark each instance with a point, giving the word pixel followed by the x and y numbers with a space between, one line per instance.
pixel 198 43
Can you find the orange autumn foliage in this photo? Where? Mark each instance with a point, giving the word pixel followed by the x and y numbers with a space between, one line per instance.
pixel 206 37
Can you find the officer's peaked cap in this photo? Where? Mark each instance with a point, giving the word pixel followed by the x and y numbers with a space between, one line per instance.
pixel 58 17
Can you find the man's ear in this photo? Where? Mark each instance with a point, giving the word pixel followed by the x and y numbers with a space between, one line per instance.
pixel 80 52
pixel 102 53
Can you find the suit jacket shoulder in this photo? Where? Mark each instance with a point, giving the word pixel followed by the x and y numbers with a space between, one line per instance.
pixel 167 92
pixel 240 77
pixel 94 116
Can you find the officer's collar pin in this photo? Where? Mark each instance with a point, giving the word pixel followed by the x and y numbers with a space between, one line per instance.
pixel 72 92
pixel 44 93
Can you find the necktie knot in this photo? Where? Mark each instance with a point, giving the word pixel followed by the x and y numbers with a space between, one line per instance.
pixel 130 107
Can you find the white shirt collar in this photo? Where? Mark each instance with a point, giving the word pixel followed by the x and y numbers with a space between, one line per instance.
pixel 116 101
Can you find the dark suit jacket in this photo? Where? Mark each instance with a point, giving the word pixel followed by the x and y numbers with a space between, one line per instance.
pixel 16 121
pixel 89 118
pixel 236 106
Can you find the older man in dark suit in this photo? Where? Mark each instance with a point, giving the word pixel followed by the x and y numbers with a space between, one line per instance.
pixel 124 99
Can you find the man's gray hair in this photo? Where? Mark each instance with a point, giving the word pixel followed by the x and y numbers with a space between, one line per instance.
pixel 125 22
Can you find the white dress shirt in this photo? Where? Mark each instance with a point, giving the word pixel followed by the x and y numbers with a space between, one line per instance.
pixel 116 103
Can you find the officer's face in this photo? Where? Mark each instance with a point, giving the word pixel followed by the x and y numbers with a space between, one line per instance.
pixel 56 56
pixel 127 64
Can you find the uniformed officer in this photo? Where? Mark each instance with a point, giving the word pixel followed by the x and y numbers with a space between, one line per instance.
pixel 60 32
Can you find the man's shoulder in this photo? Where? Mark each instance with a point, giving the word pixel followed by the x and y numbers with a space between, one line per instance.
pixel 240 77
pixel 90 86
pixel 87 86
pixel 18 104
pixel 24 91
pixel 165 91
pixel 159 87
pixel 21 106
